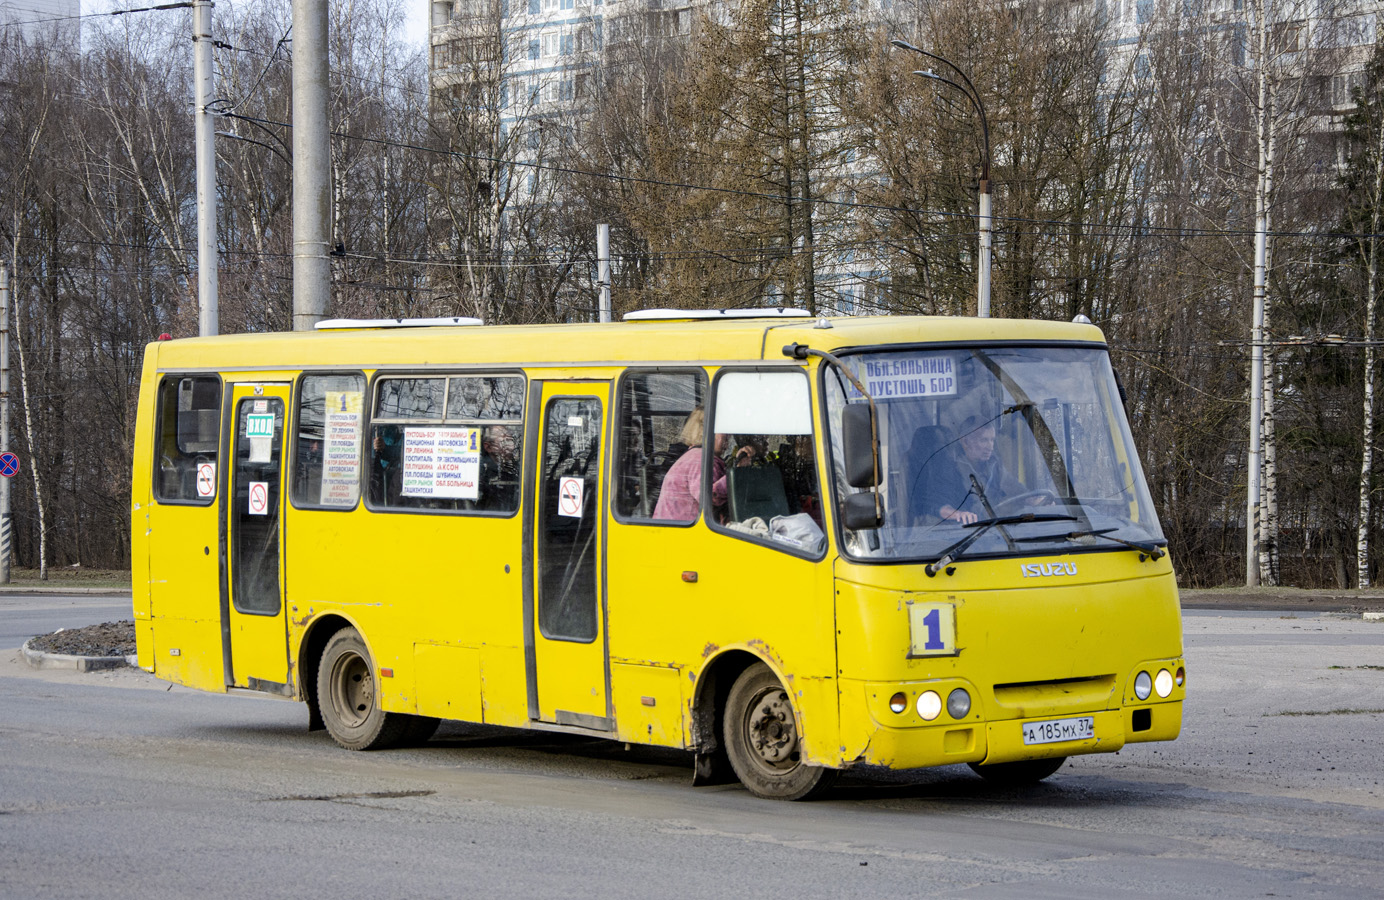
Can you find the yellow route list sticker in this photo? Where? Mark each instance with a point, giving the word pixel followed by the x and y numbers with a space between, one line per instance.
pixel 341 448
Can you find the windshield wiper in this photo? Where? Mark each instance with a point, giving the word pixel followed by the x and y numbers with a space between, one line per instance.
pixel 952 553
pixel 990 510
pixel 1149 547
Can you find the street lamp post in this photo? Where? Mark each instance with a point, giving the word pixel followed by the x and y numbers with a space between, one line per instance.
pixel 986 233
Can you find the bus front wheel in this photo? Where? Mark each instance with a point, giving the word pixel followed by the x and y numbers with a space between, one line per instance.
pixel 762 740
pixel 346 695
pixel 1018 774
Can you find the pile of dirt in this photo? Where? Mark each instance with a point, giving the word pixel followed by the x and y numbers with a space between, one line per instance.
pixel 106 639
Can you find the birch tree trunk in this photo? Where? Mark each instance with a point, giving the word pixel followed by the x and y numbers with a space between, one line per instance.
pixel 30 436
pixel 1268 499
pixel 1362 539
pixel 40 506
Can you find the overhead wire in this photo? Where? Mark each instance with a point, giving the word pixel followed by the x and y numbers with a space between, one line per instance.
pixel 99 15
pixel 1090 229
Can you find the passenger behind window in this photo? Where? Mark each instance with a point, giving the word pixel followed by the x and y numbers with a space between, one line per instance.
pixel 680 497
pixel 499 483
pixel 386 467
pixel 773 492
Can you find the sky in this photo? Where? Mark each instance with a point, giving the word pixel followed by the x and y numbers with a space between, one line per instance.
pixel 416 28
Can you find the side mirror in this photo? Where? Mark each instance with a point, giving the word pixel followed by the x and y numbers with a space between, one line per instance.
pixel 857 445
pixel 858 512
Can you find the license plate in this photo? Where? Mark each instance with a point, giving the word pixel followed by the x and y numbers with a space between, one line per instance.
pixel 1055 731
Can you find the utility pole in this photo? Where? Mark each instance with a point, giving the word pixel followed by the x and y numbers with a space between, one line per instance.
pixel 985 219
pixel 603 270
pixel 1261 253
pixel 4 420
pixel 986 243
pixel 312 271
pixel 208 316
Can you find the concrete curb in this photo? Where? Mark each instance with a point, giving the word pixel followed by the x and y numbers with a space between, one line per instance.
pixel 1374 616
pixel 38 659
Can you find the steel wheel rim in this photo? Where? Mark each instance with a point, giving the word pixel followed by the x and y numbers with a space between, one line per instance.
pixel 353 690
pixel 771 734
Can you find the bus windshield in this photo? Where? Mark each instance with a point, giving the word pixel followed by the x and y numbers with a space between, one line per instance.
pixel 996 451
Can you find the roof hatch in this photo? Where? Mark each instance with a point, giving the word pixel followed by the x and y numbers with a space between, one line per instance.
pixel 337 324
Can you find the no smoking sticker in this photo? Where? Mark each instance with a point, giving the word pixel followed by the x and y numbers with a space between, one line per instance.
pixel 206 479
pixel 259 498
pixel 569 494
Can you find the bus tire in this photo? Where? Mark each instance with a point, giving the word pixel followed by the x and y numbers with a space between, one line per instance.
pixel 346 694
pixel 762 740
pixel 1018 774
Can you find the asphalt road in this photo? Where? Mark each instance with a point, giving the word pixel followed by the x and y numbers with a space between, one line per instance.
pixel 114 785
pixel 23 615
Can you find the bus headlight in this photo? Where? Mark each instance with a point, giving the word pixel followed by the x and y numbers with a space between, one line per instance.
pixel 929 705
pixel 958 703
pixel 1181 676
pixel 1163 684
pixel 898 703
pixel 1143 685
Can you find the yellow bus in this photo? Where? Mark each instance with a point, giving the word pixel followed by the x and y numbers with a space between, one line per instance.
pixel 791 545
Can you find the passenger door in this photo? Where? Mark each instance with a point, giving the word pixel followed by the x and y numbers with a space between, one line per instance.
pixel 565 610
pixel 254 625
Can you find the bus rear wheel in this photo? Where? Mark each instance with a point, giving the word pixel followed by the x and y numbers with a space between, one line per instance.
pixel 1018 774
pixel 346 695
pixel 763 743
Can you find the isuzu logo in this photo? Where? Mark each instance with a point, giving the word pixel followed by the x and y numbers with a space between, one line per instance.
pixel 1038 570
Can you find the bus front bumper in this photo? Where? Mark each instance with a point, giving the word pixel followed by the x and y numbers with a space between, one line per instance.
pixel 905 741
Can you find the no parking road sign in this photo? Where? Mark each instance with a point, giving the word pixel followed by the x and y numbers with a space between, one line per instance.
pixel 9 464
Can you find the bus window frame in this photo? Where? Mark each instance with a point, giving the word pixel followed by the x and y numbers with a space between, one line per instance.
pixel 838 527
pixel 372 392
pixel 292 468
pixel 164 379
pixel 619 444
pixel 707 512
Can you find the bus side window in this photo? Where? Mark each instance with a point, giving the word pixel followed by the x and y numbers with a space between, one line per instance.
pixel 326 461
pixel 763 424
pixel 447 443
pixel 189 434
pixel 655 430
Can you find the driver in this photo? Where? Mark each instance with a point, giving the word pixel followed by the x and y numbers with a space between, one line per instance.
pixel 953 496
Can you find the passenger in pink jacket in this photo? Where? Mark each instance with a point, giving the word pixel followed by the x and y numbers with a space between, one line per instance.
pixel 680 498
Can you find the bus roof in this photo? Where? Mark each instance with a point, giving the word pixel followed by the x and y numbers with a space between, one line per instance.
pixel 619 343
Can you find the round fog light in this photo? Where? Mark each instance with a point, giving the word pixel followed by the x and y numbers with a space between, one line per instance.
pixel 929 705
pixel 1181 676
pixel 1163 684
pixel 898 703
pixel 1143 685
pixel 958 703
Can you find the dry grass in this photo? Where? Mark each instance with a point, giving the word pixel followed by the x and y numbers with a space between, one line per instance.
pixel 62 576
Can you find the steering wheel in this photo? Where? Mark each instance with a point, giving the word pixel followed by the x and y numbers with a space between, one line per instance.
pixel 1040 497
